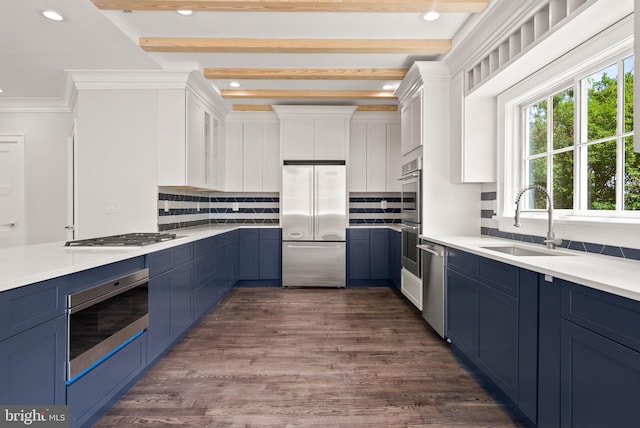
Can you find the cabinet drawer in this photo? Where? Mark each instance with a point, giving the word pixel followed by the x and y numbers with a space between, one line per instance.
pixel 159 262
pixel 270 234
pixel 358 233
pixel 612 316
pixel 182 254
pixel 88 278
pixel 28 306
pixel 498 275
pixel 206 246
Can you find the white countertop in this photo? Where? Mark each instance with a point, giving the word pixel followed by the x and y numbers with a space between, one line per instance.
pixel 611 274
pixel 392 226
pixel 29 264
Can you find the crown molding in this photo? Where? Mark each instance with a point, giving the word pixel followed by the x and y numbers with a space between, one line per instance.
pixel 34 105
pixel 251 116
pixel 422 72
pixel 324 112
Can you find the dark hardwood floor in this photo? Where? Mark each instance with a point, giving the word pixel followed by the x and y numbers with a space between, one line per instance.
pixel 272 357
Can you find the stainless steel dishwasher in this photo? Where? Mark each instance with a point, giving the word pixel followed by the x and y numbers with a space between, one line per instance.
pixel 433 309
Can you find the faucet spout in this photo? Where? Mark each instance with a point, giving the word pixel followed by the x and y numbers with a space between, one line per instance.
pixel 551 240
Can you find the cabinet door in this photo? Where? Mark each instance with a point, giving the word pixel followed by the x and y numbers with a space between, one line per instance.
pixel 358 157
pixel 416 121
pixel 252 157
pixel 394 158
pixel 32 365
pixel 376 157
pixel 462 312
pixel 181 291
pixel 195 143
pixel 359 254
pixel 405 130
pixel 330 139
pixel 270 259
pixel 159 330
pixel 600 380
pixel 248 255
pixel 379 254
pixel 271 167
pixel 233 157
pixel 395 257
pixel 497 340
pixel 298 139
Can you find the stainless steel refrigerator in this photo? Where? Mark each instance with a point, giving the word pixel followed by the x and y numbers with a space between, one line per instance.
pixel 314 222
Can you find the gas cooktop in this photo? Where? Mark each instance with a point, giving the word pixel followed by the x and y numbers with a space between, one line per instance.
pixel 125 240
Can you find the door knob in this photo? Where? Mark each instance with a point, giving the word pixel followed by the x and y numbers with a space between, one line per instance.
pixel 12 224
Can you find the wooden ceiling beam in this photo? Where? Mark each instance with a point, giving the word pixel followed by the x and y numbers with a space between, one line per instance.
pixel 372 46
pixel 267 107
pixel 304 94
pixel 389 6
pixel 307 73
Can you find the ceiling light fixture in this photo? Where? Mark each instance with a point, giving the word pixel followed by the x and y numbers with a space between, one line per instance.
pixel 387 87
pixel 234 84
pixel 1 91
pixel 431 16
pixel 52 15
pixel 185 12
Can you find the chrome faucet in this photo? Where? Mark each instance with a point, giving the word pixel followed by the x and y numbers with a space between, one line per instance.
pixel 551 240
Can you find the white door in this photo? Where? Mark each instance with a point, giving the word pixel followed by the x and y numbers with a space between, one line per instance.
pixel 12 224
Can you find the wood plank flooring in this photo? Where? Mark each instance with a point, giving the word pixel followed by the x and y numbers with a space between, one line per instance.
pixel 272 357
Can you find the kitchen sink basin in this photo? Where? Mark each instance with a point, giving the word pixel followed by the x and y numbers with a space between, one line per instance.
pixel 518 251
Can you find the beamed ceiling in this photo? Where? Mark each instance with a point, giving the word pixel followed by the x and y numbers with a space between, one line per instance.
pixel 278 51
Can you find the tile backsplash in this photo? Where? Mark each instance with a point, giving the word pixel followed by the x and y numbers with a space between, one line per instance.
pixel 489 227
pixel 178 209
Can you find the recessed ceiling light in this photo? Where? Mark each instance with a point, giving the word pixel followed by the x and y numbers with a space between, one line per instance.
pixel 185 12
pixel 1 91
pixel 431 16
pixel 234 84
pixel 52 15
pixel 387 87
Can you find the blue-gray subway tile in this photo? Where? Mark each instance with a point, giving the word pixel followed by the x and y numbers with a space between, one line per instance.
pixel 590 247
pixel 576 245
pixel 486 213
pixel 610 250
pixel 631 253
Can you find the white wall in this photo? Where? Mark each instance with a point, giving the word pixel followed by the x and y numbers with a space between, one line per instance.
pixel 117 162
pixel 45 171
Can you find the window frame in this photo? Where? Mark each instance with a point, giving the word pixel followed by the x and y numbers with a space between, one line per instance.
pixel 580 138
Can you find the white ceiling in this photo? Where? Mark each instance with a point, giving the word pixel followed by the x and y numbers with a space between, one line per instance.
pixel 34 52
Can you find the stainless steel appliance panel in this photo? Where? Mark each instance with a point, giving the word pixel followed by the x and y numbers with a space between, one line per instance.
pixel 433 295
pixel 411 197
pixel 297 203
pixel 315 264
pixel 330 203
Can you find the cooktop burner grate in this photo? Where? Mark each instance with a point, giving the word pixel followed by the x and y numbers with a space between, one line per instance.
pixel 127 239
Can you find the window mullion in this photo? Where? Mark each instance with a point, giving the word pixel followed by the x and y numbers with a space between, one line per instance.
pixel 580 159
pixel 550 146
pixel 619 139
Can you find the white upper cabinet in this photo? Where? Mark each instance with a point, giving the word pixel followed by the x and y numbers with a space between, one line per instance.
pixel 252 153
pixel 473 135
pixel 411 113
pixel 374 153
pixel 188 141
pixel 314 132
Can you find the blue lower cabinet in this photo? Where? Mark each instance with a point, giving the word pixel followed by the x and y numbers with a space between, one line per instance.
pixel 358 252
pixel 600 380
pixel 159 331
pixel 181 294
pixel 92 395
pixel 32 365
pixel 549 355
pixel 379 254
pixel 260 257
pixel 395 258
pixel 249 260
pixel 462 312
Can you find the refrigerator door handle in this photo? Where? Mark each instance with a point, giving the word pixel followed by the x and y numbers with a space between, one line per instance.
pixel 312 204
pixel 316 226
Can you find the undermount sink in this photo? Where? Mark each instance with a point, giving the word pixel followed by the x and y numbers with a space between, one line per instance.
pixel 524 252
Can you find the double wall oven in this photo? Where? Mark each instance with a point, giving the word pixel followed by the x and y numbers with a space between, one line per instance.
pixel 411 216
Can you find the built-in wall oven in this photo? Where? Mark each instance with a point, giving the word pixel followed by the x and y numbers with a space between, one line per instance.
pixel 411 217
pixel 103 319
pixel 411 180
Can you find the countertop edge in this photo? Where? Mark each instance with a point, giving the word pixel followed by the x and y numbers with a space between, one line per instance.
pixel 618 276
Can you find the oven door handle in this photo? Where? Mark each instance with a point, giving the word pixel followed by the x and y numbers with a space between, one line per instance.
pixel 409 176
pixel 103 297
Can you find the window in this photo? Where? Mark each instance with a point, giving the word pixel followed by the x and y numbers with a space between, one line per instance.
pixel 578 143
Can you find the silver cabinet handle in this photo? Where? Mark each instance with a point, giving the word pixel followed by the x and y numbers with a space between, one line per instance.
pixel 71 227
pixel 313 247
pixel 409 227
pixel 12 224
